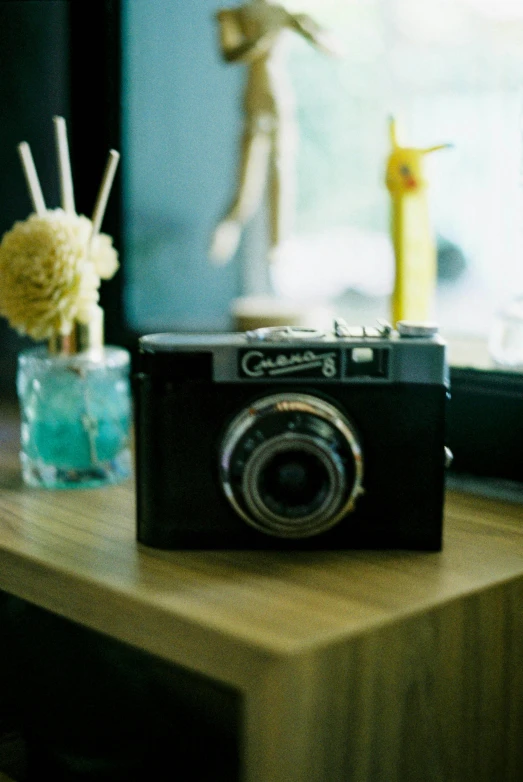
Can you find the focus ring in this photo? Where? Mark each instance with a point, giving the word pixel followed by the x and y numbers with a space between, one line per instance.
pixel 311 523
pixel 239 490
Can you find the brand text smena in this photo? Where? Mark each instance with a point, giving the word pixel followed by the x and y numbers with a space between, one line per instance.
pixel 257 364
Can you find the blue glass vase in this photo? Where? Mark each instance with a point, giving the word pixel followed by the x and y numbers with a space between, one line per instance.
pixel 75 417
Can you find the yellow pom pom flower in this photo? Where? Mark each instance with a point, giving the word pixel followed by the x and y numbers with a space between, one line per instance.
pixel 104 256
pixel 49 273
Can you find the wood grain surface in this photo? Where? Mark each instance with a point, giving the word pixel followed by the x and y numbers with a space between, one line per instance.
pixel 354 666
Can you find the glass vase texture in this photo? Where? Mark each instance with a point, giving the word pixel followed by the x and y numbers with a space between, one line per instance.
pixel 75 417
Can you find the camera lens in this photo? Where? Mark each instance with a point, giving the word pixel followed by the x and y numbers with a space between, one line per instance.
pixel 293 482
pixel 291 465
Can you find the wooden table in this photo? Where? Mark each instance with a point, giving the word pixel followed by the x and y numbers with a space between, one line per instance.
pixel 351 666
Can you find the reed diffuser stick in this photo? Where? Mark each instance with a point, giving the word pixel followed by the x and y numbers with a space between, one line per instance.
pixel 105 189
pixel 31 177
pixel 64 165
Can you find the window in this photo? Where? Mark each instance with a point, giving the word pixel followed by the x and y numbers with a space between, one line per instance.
pixel 181 121
pixel 452 71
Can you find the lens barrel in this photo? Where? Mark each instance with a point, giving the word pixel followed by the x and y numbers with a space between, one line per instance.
pixel 291 465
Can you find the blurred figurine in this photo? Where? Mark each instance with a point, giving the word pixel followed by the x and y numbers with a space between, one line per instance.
pixel 252 34
pixel 412 238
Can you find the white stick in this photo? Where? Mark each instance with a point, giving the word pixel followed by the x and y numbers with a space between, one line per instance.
pixel 31 177
pixel 64 165
pixel 103 193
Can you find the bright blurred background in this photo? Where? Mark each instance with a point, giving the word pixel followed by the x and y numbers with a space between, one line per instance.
pixel 449 70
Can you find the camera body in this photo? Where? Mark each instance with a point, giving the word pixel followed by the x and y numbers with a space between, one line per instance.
pixel 287 438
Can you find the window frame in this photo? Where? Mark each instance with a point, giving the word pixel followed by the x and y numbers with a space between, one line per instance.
pixel 95 128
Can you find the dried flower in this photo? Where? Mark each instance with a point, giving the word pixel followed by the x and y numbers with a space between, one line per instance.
pixel 104 256
pixel 48 273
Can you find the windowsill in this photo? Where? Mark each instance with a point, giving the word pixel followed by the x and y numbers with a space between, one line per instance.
pixel 490 488
pixel 469 352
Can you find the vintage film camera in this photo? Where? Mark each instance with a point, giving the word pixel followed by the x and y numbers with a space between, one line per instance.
pixel 292 438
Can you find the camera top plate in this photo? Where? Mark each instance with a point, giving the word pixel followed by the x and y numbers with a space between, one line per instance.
pixel 413 353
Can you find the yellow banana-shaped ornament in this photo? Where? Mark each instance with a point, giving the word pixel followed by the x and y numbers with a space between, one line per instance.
pixel 412 237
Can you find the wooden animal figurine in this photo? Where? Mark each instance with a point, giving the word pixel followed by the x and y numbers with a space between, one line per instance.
pixel 412 237
pixel 253 34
